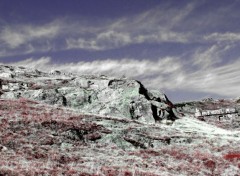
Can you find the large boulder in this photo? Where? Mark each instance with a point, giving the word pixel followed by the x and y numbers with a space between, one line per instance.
pixel 89 94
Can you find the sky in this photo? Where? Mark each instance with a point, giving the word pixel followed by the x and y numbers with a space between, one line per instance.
pixel 188 49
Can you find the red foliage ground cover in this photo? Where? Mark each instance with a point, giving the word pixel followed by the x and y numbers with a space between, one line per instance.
pixel 232 156
pixel 38 139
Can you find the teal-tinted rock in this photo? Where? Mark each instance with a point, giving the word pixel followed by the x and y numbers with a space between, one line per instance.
pixel 100 95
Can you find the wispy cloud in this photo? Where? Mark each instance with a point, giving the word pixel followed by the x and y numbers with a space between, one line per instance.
pixel 155 25
pixel 167 73
pixel 34 63
pixel 15 36
pixel 206 58
pixel 127 67
pixel 223 37
pixel 23 39
pixel 164 23
pixel 104 40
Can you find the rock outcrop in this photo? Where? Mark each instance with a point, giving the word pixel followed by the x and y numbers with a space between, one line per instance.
pixel 64 124
pixel 87 93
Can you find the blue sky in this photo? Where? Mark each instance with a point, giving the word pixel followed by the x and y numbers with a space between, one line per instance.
pixel 188 49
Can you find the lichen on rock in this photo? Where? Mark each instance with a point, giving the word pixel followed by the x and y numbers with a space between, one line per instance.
pixel 88 94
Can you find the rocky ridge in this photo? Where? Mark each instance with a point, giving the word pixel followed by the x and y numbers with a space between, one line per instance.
pixel 89 94
pixel 64 124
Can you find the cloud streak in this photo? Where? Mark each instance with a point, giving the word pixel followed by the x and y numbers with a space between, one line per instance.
pixel 155 25
pixel 165 23
pixel 206 58
pixel 148 27
pixel 15 36
pixel 223 37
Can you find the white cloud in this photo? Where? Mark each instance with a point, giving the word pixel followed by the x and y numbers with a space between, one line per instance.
pixel 166 73
pixel 26 39
pixel 221 80
pixel 153 26
pixel 162 36
pixel 128 67
pixel 207 58
pixel 15 36
pixel 165 23
pixel 102 41
pixel 112 39
pixel 82 44
pixel 13 39
pixel 33 63
pixel 223 37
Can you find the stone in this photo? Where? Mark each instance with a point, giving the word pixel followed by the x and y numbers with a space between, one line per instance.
pixel 6 75
pixel 116 97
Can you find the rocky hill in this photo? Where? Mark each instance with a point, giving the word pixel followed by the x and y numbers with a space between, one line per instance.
pixel 89 94
pixel 66 124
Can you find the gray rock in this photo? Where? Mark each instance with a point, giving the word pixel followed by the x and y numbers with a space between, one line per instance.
pixel 89 94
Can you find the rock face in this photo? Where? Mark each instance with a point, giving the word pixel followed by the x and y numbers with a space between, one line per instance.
pixel 88 94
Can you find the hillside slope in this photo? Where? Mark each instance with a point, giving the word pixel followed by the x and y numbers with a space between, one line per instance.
pixel 45 129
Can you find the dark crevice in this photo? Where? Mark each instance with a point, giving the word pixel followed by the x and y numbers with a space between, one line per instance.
pixel 135 143
pixel 154 113
pixel 169 102
pixel 90 99
pixel 110 83
pixel 64 101
pixel 172 116
pixel 115 83
pixel 143 91
pixel 131 110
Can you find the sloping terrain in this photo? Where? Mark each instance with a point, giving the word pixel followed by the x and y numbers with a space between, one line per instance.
pixel 44 137
pixel 229 121
pixel 38 139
